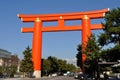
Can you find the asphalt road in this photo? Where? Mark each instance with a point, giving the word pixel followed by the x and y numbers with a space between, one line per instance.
pixel 60 78
pixel 51 78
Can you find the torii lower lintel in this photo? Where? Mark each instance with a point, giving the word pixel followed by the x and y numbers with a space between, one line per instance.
pixel 64 28
pixel 38 28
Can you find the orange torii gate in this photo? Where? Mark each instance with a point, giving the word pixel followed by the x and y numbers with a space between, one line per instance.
pixel 38 28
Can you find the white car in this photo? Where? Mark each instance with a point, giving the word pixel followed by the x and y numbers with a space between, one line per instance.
pixel 54 75
pixel 65 74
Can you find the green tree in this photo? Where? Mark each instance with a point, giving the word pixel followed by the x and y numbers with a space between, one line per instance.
pixel 112 54
pixel 79 56
pixel 92 52
pixel 46 67
pixel 111 28
pixel 71 68
pixel 55 65
pixel 26 64
pixel 62 65
pixel 111 34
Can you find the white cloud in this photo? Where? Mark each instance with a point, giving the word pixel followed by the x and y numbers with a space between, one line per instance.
pixel 71 61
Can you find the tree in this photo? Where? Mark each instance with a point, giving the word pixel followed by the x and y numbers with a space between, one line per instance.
pixel 46 67
pixel 92 48
pixel 111 34
pixel 55 65
pixel 79 56
pixel 111 28
pixel 71 68
pixel 92 52
pixel 62 65
pixel 26 64
pixel 111 55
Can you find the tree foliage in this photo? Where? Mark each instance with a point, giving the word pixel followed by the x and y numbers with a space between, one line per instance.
pixel 79 56
pixel 92 48
pixel 46 67
pixel 55 65
pixel 112 54
pixel 111 28
pixel 92 52
pixel 26 64
pixel 111 35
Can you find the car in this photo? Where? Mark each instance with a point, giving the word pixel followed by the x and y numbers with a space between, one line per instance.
pixel 76 75
pixel 82 77
pixel 71 75
pixel 64 74
pixel 54 75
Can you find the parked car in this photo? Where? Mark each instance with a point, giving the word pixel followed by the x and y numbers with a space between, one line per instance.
pixel 71 75
pixel 54 75
pixel 82 77
pixel 76 75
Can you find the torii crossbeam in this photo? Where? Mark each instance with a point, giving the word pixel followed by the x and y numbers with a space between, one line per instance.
pixel 38 28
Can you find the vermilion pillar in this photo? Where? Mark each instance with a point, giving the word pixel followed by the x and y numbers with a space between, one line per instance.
pixel 86 32
pixel 37 47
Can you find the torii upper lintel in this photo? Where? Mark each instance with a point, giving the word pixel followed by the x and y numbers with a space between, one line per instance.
pixel 64 16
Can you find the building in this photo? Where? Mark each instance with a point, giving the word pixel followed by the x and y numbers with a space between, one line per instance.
pixel 7 59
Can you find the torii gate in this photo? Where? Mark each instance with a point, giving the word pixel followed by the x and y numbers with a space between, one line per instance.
pixel 38 28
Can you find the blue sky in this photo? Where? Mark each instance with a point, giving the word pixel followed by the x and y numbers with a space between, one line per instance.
pixel 59 44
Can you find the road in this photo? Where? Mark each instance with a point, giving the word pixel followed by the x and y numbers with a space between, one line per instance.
pixel 51 78
pixel 60 78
